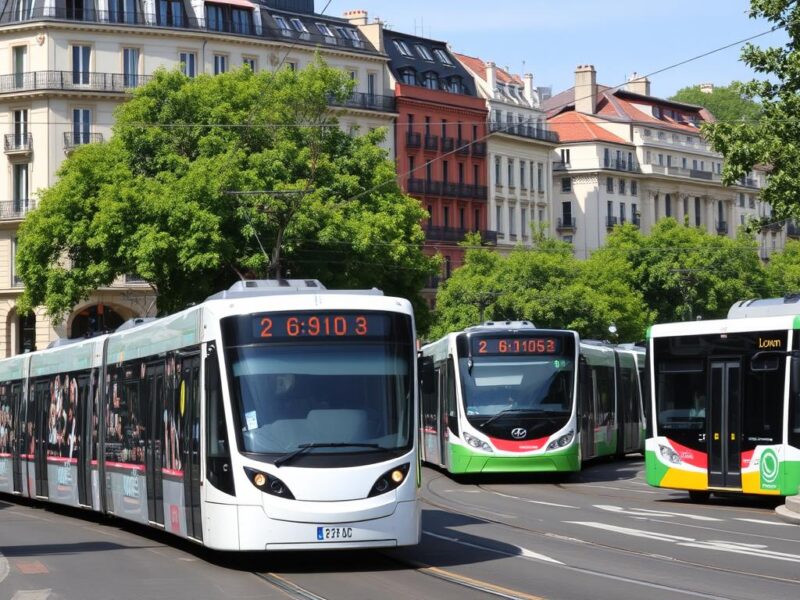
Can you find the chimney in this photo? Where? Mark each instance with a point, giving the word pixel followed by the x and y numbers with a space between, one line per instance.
pixel 707 88
pixel 356 17
pixel 491 77
pixel 638 85
pixel 585 89
pixel 530 94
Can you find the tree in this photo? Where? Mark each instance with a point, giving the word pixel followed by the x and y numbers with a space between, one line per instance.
pixel 155 200
pixel 772 139
pixel 726 103
pixel 783 271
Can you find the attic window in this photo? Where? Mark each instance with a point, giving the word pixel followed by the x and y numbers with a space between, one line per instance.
pixel 281 22
pixel 408 76
pixel 424 52
pixel 299 25
pixel 442 56
pixel 403 48
pixel 431 81
pixel 324 29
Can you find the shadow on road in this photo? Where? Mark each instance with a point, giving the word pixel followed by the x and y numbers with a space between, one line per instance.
pixel 31 550
pixel 728 500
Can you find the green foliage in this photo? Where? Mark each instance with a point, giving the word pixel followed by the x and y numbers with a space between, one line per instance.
pixel 783 271
pixel 772 139
pixel 155 200
pixel 726 103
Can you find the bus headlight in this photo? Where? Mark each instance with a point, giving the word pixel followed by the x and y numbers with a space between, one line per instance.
pixel 669 454
pixel 389 480
pixel 564 440
pixel 476 443
pixel 268 484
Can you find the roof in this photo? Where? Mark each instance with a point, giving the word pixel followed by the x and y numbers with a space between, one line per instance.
pixel 478 66
pixel 579 127
pixel 418 47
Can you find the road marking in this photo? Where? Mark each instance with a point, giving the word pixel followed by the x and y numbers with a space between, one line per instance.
pixel 533 501
pixel 754 550
pixel 33 567
pixel 609 487
pixel 32 595
pixel 4 568
pixel 521 552
pixel 760 522
pixel 645 512
pixel 461 491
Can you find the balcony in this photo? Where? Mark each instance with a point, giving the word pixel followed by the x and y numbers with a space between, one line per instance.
pixel 792 229
pixel 413 140
pixel 478 148
pixel 619 164
pixel 18 143
pixel 462 147
pixel 524 130
pixel 722 227
pixel 73 139
pixel 611 222
pixel 747 182
pixel 453 234
pixel 565 224
pixel 446 188
pixel 448 144
pixel 366 102
pixel 33 81
pixel 695 174
pixel 560 165
pixel 432 142
pixel 16 209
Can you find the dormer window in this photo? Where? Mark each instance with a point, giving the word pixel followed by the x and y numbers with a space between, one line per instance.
pixel 442 56
pixel 324 29
pixel 431 81
pixel 424 52
pixel 408 76
pixel 298 25
pixel 403 48
pixel 282 24
pixel 456 86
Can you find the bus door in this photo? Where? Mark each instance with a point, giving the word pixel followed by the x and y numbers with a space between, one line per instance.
pixel 189 402
pixel 18 410
pixel 153 391
pixel 724 435
pixel 441 415
pixel 84 442
pixel 40 415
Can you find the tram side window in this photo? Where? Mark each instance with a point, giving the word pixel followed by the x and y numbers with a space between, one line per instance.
pixel 218 465
pixel 763 407
pixel 794 404
pixel 452 411
pixel 6 420
pixel 62 430
pixel 681 393
pixel 429 397
pixel 603 382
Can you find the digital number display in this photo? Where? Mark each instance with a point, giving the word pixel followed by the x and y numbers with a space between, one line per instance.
pixel 482 346
pixel 307 325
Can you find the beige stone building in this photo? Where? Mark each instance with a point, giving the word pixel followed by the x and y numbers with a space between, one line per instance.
pixel 66 64
pixel 627 156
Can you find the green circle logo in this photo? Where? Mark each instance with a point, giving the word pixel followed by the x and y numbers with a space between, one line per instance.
pixel 769 466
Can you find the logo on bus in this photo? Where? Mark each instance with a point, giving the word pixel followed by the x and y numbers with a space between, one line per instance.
pixel 769 469
pixel 762 343
pixel 519 433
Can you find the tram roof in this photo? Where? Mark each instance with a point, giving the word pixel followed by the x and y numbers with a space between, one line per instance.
pixel 720 326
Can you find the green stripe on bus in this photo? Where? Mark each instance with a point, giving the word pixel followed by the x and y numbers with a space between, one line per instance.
pixel 654 469
pixel 465 460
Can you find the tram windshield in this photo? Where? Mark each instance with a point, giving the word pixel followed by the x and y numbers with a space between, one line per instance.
pixel 325 391
pixel 522 384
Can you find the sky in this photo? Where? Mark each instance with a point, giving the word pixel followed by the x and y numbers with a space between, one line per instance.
pixel 549 38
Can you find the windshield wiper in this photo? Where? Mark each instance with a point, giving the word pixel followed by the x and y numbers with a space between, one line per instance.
pixel 303 448
pixel 508 411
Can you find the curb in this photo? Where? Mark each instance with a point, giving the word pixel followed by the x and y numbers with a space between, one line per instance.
pixel 790 512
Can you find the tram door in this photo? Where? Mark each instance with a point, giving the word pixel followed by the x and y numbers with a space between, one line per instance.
pixel 724 435
pixel 189 399
pixel 154 392
pixel 18 409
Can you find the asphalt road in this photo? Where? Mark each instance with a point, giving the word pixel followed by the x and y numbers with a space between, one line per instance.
pixel 600 534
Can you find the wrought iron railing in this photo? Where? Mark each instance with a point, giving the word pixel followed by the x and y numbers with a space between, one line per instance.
pixel 71 80
pixel 72 139
pixel 524 130
pixel 16 209
pixel 18 142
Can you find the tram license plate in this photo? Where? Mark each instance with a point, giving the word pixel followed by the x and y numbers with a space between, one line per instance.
pixel 329 534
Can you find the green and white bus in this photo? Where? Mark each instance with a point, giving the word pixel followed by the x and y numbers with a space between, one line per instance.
pixel 725 399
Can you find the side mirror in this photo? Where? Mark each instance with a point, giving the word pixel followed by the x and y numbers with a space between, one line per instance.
pixel 426 375
pixel 766 361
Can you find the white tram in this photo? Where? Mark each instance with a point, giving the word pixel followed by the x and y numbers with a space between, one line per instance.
pixel 274 415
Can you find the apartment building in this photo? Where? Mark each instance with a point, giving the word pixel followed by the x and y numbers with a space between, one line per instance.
pixel 69 63
pixel 626 156
pixel 520 147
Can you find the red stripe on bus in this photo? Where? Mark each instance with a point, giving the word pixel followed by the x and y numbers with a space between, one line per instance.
pixel 692 457
pixel 519 446
pixel 172 472
pixel 129 466
pixel 62 460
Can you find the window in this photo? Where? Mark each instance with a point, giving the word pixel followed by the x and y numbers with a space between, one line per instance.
pixel 215 17
pixel 610 185
pixel 282 24
pixel 660 160
pixel 423 52
pixel 741 199
pixel 20 128
pixel 170 12
pixel 188 63
pixel 250 62
pixel 668 205
pixel 606 157
pixel 499 217
pixel 697 211
pixel 371 84
pixel 702 165
pixel 669 160
pixel 445 171
pixel 447 216
pixel 324 29
pixel 566 212
pixel 498 171
pixel 476 178
pixel 443 57
pixel 130 67
pixel 220 64
pixel 411 165
pixel 448 270
pixel 565 156
pixel 23 10
pixel 81 125
pixel 510 172
pixel 683 162
pixel 292 66
pixel 621 212
pixel 403 48
pixel 634 188
pixel 240 21
pixel 81 56
pixel 20 184
pixel 456 86
pixel 524 221
pixel 430 214
pixel 512 225
pixel 298 25
pixel 461 172
pixel 540 177
pixel 431 81
pixel 462 223
pixel 566 184
pixel 621 186
pixel 408 76
pixel 522 174
pixel 20 58
pixel 694 164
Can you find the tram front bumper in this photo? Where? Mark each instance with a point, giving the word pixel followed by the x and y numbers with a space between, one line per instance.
pixel 464 460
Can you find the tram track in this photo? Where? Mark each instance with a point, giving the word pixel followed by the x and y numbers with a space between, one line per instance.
pixel 447 505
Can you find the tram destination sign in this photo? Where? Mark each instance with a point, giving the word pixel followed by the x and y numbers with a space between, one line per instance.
pixel 316 325
pixel 500 346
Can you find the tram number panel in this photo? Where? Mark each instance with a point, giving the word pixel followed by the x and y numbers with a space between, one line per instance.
pixel 329 534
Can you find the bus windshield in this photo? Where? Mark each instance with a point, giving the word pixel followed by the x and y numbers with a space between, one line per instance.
pixel 534 384
pixel 287 396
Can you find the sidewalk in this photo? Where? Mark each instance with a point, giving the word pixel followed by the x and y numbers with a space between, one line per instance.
pixel 790 511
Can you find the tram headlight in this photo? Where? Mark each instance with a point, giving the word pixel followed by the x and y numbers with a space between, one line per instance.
pixel 669 454
pixel 390 480
pixel 268 484
pixel 562 441
pixel 476 443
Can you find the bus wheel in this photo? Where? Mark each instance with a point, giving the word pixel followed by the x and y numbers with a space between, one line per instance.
pixel 698 496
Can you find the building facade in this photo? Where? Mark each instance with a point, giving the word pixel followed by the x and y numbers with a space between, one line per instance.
pixel 520 148
pixel 627 156
pixel 69 63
